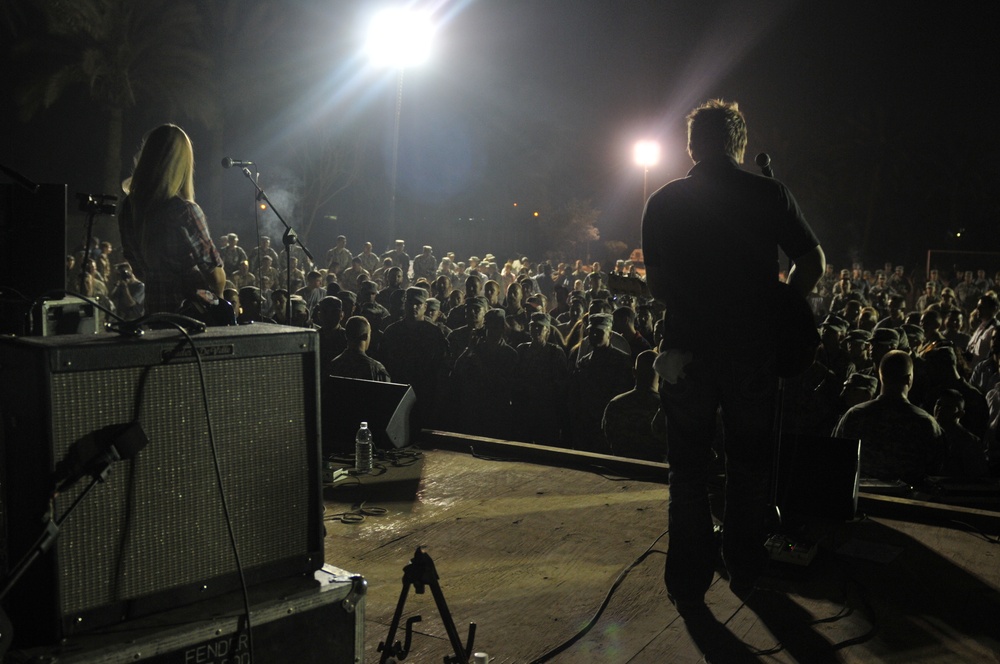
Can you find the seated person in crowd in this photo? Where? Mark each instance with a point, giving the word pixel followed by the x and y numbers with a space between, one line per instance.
pixel 966 451
pixel 899 441
pixel 354 361
pixel 628 418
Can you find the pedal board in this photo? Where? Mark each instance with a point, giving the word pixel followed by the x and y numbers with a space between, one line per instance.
pixel 785 549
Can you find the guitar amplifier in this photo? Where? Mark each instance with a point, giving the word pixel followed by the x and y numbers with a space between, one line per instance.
pixel 155 535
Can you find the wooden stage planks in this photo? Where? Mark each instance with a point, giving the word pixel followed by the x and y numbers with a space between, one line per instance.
pixel 529 552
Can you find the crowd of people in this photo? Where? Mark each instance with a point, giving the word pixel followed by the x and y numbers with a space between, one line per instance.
pixel 653 366
pixel 549 354
pixel 563 354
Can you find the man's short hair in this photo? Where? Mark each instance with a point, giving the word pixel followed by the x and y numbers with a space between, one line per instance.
pixel 951 398
pixel 357 328
pixel 896 367
pixel 717 127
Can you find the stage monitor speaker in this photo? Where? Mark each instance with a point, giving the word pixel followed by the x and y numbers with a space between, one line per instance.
pixel 154 535
pixel 818 477
pixel 32 249
pixel 347 402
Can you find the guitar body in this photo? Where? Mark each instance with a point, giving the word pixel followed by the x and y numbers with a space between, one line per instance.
pixel 210 310
pixel 797 336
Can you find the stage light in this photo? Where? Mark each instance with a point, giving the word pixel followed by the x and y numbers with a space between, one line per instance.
pixel 647 153
pixel 400 38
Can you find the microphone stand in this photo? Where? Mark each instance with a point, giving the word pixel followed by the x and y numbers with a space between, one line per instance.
pixel 289 238
pixel 47 539
pixel 763 161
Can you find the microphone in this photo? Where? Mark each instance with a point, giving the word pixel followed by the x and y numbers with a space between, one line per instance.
pixel 764 161
pixel 96 452
pixel 229 163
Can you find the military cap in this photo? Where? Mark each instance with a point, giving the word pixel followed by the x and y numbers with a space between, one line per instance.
pixel 601 321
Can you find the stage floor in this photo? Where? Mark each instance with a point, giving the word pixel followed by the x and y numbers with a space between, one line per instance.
pixel 529 552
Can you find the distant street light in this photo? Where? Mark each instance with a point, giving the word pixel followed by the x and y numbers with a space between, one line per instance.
pixel 399 38
pixel 647 153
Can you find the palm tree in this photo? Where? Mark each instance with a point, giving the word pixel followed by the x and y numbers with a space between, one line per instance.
pixel 237 26
pixel 124 53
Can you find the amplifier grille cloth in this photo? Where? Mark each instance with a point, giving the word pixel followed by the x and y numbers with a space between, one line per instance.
pixel 175 532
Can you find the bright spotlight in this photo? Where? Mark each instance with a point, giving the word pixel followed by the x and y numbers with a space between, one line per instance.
pixel 647 153
pixel 400 38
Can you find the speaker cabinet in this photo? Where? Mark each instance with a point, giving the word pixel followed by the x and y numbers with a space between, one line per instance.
pixel 347 402
pixel 32 248
pixel 154 535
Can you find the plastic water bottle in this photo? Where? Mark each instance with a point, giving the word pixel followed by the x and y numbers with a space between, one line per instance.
pixel 363 449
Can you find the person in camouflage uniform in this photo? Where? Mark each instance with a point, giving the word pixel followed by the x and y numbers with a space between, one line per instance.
pixel 542 375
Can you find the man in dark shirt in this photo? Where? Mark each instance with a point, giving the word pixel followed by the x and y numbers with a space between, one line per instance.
pixel 413 351
pixel 542 375
pixel 628 418
pixel 722 216
pixel 899 441
pixel 354 361
pixel 600 375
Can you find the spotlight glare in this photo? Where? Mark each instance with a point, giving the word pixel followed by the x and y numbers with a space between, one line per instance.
pixel 647 153
pixel 400 38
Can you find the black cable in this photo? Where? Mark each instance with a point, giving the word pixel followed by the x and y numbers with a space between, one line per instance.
pixel 869 611
pixel 357 515
pixel 604 605
pixel 973 529
pixel 221 485
pixel 5 289
pixel 403 458
pixel 476 455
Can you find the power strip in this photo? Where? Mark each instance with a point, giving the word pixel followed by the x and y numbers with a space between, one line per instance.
pixel 787 550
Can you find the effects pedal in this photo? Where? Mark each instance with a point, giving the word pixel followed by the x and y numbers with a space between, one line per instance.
pixel 788 550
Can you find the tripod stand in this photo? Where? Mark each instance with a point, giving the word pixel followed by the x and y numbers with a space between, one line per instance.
pixel 418 573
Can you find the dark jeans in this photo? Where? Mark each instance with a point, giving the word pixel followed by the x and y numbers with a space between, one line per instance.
pixel 743 383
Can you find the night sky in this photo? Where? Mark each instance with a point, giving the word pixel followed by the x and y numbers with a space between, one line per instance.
pixel 877 115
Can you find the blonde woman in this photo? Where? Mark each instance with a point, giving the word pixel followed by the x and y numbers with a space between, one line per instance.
pixel 164 233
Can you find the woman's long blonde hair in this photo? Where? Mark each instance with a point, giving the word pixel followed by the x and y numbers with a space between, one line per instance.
pixel 164 168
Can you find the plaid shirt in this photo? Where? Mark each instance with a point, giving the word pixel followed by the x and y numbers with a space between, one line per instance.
pixel 178 251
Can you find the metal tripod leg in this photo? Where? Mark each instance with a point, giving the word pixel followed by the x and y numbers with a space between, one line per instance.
pixel 418 573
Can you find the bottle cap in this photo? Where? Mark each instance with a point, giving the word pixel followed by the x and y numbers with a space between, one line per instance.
pixel 364 425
